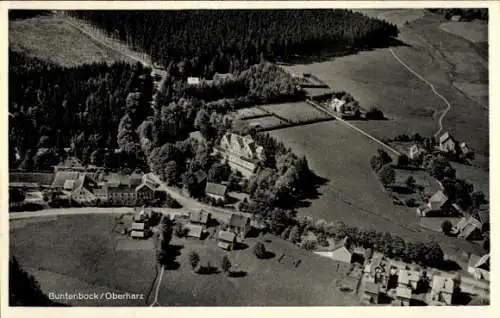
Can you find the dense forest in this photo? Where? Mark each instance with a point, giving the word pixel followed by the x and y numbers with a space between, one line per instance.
pixel 228 41
pixel 464 13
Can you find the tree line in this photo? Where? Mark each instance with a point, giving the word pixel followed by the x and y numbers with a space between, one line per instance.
pixel 203 42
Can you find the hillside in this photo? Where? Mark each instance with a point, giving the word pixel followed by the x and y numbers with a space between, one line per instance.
pixel 50 38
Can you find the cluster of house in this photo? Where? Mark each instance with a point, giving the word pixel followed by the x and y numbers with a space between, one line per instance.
pixel 232 233
pixel 403 285
pixel 140 228
pixel 446 143
pixel 469 227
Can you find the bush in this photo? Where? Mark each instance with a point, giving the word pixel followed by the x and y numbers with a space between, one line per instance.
pixel 446 227
pixel 375 114
pixel 194 259
pixel 225 264
pixel 309 245
pixel 259 250
pixel 387 175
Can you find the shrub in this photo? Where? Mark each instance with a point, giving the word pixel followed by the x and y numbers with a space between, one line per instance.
pixel 259 250
pixel 225 264
pixel 309 245
pixel 446 227
pixel 194 259
pixel 387 175
pixel 375 114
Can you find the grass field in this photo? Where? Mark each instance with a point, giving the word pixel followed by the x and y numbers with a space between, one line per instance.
pixel 266 123
pixel 250 112
pixel 475 31
pixel 296 112
pixel 50 38
pixel 78 253
pixel 353 194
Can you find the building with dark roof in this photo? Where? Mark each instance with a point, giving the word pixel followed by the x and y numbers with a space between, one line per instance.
pixel 200 217
pixel 216 191
pixel 240 225
pixel 226 240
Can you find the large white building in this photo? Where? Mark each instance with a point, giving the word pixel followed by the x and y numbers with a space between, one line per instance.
pixel 241 152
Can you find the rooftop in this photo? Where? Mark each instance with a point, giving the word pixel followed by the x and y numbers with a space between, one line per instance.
pixel 199 216
pixel 238 220
pixel 216 189
pixel 442 284
pixel 372 288
pixel 226 236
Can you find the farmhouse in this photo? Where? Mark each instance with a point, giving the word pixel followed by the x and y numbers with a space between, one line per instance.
pixel 442 290
pixel 242 153
pixel 194 230
pixel 339 252
pixel 371 292
pixel 226 240
pixel 437 202
pixel 416 151
pixel 403 295
pixel 240 225
pixel 193 81
pixel 336 105
pixel 146 190
pixel 216 191
pixel 122 195
pixel 479 267
pixel 447 143
pixel 468 228
pixel 199 217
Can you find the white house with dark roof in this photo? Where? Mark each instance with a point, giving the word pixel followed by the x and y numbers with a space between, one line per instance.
pixel 447 143
pixel 241 152
pixel 339 252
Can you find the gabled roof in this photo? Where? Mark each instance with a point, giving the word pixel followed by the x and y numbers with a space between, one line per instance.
pixel 444 137
pixel 200 175
pixel 199 216
pixel 194 230
pixel 438 197
pixel 403 276
pixel 31 177
pixel 372 288
pixel 226 236
pixel 340 244
pixel 484 216
pixel 403 292
pixel 442 284
pixel 238 220
pixel 61 177
pixel 148 184
pixel 482 262
pixel 69 184
pixel 216 189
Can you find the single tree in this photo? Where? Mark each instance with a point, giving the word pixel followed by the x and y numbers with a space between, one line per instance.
pixel 194 259
pixel 410 182
pixel 259 250
pixel 403 160
pixel 446 227
pixel 225 264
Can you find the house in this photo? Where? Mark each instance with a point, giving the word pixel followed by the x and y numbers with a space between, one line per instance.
pixel 416 151
pixel 240 225
pixel 336 105
pixel 375 270
pixel 442 289
pixel 473 286
pixel 193 81
pixel 200 176
pixel 194 230
pixel 468 228
pixel 483 216
pixel 226 240
pixel 61 177
pixel 120 180
pixel 456 18
pixel 146 190
pixel 341 252
pixel 447 143
pixel 241 152
pixel 465 149
pixel 199 217
pixel 197 135
pixel 122 195
pixel 371 292
pixel 216 191
pixel 221 77
pixel 403 295
pixel 30 179
pixel 81 189
pixel 437 202
pixel 408 278
pixel 479 266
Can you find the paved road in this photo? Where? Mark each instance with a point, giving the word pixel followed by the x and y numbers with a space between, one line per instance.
pixel 434 90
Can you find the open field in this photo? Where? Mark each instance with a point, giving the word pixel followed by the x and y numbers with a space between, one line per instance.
pixel 50 38
pixel 251 112
pixel 395 16
pixel 475 31
pixel 422 178
pixel 296 112
pixel 377 78
pixel 353 194
pixel 78 253
pixel 266 123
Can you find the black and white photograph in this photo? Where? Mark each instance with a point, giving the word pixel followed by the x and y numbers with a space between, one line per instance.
pixel 258 157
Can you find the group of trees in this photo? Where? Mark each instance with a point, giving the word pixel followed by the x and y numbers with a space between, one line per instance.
pixel 194 260
pixel 203 42
pixel 86 108
pixel 381 164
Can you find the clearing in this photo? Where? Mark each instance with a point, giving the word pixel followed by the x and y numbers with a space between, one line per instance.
pixel 50 38
pixel 301 112
pixel 352 193
pixel 79 253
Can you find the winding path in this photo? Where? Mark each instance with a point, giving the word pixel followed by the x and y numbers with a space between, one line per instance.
pixel 420 77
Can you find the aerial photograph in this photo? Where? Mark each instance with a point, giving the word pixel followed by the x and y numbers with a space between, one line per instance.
pixel 259 157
